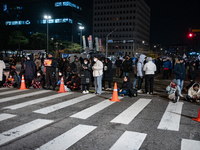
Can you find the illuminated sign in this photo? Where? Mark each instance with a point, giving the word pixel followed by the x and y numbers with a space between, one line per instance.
pixel 5 7
pixel 67 3
pixel 63 20
pixel 14 23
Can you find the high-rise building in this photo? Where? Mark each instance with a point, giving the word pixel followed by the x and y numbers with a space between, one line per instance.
pixel 66 17
pixel 125 22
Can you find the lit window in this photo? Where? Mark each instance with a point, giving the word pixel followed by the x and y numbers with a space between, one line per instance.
pixel 58 4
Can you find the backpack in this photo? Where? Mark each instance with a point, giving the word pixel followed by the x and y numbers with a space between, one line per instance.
pixel 132 93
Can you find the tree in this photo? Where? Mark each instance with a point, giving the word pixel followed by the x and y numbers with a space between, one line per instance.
pixel 74 48
pixel 38 41
pixel 17 38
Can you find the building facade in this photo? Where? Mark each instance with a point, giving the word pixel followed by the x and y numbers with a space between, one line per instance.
pixel 127 22
pixel 66 17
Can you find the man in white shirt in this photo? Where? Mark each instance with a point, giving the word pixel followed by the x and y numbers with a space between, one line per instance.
pixel 97 74
pixel 149 69
pixel 2 66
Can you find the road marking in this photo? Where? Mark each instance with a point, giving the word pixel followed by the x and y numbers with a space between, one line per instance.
pixel 129 140
pixel 69 138
pixel 171 118
pixel 130 113
pixel 11 92
pixel 187 144
pixel 36 101
pixel 6 116
pixel 88 112
pixel 5 89
pixel 23 130
pixel 58 106
pixel 22 96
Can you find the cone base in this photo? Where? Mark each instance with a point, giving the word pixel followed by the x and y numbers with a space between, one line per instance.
pixel 61 92
pixel 23 89
pixel 117 100
pixel 196 119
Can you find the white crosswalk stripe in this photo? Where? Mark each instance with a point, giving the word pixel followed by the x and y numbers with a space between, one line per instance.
pixel 11 92
pixel 6 116
pixel 129 140
pixel 171 118
pixel 58 106
pixel 130 113
pixel 23 96
pixel 23 130
pixel 36 101
pixel 86 113
pixel 4 89
pixel 69 138
pixel 187 144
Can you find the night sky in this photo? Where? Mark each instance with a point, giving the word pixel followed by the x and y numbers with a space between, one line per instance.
pixel 171 19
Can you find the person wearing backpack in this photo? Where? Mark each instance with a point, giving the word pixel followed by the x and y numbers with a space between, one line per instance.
pixel 192 73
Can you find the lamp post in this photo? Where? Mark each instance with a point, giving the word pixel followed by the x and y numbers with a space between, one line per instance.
pixel 81 28
pixel 107 41
pixel 47 19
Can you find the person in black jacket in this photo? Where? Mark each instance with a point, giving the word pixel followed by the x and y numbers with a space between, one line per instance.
pixel 30 69
pixel 38 82
pixel 85 76
pixel 118 64
pixel 126 85
pixel 192 74
pixel 50 64
pixel 127 66
pixel 107 74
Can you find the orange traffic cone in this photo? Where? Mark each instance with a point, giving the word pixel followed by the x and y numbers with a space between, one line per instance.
pixel 198 118
pixel 62 87
pixel 115 94
pixel 23 86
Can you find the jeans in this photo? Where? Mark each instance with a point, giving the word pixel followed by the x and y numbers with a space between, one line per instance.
pixel 135 80
pixel 98 84
pixel 126 74
pixel 122 92
pixel 180 83
pixel 85 85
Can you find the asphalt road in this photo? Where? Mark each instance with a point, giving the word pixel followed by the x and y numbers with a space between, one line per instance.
pixel 43 119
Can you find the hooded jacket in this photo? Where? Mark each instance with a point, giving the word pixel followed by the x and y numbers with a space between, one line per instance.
pixel 30 68
pixel 140 66
pixel 172 90
pixel 192 92
pixel 97 69
pixel 149 68
pixel 127 85
pixel 180 71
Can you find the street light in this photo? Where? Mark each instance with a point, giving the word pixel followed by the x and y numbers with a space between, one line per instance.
pixel 81 28
pixel 47 19
pixel 107 41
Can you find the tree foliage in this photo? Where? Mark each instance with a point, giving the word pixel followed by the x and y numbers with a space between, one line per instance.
pixel 17 39
pixel 38 41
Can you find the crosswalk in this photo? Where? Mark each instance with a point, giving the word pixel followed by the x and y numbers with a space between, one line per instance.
pixel 169 121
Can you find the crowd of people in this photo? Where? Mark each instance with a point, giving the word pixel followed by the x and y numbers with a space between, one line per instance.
pixel 81 74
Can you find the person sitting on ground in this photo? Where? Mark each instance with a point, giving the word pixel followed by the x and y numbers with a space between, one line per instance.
pixel 12 81
pixel 174 91
pixel 60 75
pixel 126 85
pixel 38 81
pixel 194 93
pixel 74 83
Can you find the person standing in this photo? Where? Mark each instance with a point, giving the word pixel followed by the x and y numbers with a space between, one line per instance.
pixel 140 72
pixel 158 64
pixel 50 63
pixel 123 60
pixel 78 66
pixel 192 74
pixel 118 64
pixel 166 66
pixel 2 66
pixel 180 73
pixel 30 69
pixel 38 62
pixel 127 66
pixel 149 69
pixel 97 73
pixel 85 76
pixel 107 74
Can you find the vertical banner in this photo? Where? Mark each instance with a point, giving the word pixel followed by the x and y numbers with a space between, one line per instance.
pixel 90 42
pixel 100 45
pixel 97 43
pixel 84 42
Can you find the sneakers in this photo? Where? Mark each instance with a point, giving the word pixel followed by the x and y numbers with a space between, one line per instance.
pixel 140 91
pixel 103 88
pixel 107 89
pixel 147 93
pixel 85 92
pixel 176 99
pixel 181 95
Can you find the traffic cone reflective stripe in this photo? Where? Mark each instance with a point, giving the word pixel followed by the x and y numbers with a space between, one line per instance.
pixel 62 87
pixel 198 118
pixel 115 94
pixel 23 86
